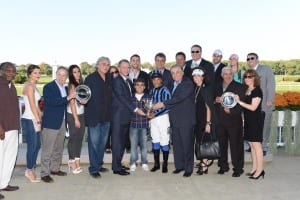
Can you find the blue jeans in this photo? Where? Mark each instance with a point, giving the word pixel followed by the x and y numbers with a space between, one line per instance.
pixel 33 142
pixel 97 138
pixel 138 136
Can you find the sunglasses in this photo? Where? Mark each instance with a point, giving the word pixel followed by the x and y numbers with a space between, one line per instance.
pixel 248 77
pixel 195 51
pixel 251 58
pixel 114 72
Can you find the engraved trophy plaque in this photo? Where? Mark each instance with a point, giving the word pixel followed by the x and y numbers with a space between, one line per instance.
pixel 228 100
pixel 83 92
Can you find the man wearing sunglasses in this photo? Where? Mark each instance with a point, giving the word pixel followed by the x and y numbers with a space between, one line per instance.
pixel 196 61
pixel 267 84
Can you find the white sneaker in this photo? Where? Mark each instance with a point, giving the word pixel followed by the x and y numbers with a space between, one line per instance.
pixel 145 167
pixel 132 167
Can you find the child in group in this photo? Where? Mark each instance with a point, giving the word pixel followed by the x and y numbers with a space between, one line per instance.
pixel 159 123
pixel 138 127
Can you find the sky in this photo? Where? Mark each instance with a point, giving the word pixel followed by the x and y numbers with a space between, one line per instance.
pixel 65 32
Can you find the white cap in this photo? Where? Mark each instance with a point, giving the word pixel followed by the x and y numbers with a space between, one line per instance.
pixel 233 56
pixel 218 52
pixel 198 72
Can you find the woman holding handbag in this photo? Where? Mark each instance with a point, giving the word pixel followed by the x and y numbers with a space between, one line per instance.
pixel 254 121
pixel 31 121
pixel 205 114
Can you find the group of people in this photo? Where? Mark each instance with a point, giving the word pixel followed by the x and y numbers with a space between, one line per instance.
pixel 187 107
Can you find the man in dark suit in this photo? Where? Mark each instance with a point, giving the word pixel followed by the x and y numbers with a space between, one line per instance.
pixel 54 128
pixel 180 59
pixel 230 125
pixel 218 66
pixel 122 109
pixel 160 60
pixel 198 61
pixel 182 120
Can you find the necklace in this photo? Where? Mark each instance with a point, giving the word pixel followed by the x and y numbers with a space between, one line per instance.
pixel 197 90
pixel 249 90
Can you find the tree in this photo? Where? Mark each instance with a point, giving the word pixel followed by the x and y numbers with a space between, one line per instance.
pixel 86 68
pixel 148 65
pixel 21 76
pixel 44 68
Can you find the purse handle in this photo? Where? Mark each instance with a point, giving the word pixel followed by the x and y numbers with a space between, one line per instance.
pixel 211 139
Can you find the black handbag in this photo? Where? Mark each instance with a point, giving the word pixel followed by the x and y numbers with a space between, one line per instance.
pixel 207 150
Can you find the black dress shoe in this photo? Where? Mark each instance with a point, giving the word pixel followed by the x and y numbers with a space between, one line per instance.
pixel 10 188
pixel 47 179
pixel 125 168
pixel 59 173
pixel 1 196
pixel 177 171
pixel 237 174
pixel 96 175
pixel 122 173
pixel 187 174
pixel 155 168
pixel 222 171
pixel 103 169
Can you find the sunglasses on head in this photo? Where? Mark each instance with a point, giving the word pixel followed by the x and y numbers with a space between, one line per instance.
pixel 195 51
pixel 251 58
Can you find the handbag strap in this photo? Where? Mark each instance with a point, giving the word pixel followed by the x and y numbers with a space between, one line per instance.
pixel 211 140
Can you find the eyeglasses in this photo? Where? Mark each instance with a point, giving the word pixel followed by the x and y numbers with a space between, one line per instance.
pixel 195 51
pixel 251 58
pixel 248 77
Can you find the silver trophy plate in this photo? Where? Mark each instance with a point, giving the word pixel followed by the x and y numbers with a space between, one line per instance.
pixel 228 100
pixel 83 93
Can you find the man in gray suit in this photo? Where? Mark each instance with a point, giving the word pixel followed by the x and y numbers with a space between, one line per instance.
pixel 267 84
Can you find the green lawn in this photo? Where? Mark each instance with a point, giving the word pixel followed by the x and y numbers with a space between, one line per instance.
pixel 287 86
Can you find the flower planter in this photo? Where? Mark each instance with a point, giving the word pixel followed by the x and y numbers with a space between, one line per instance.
pixel 280 123
pixel 285 131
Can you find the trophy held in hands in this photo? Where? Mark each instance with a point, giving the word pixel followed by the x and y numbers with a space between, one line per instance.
pixel 148 104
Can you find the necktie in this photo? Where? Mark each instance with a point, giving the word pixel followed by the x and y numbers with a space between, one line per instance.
pixel 129 85
pixel 174 87
pixel 195 65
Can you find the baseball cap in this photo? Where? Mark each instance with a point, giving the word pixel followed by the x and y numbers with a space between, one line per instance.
pixel 218 52
pixel 156 74
pixel 198 71
pixel 233 56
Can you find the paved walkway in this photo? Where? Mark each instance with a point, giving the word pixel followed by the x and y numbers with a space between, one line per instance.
pixel 281 182
pixel 21 160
